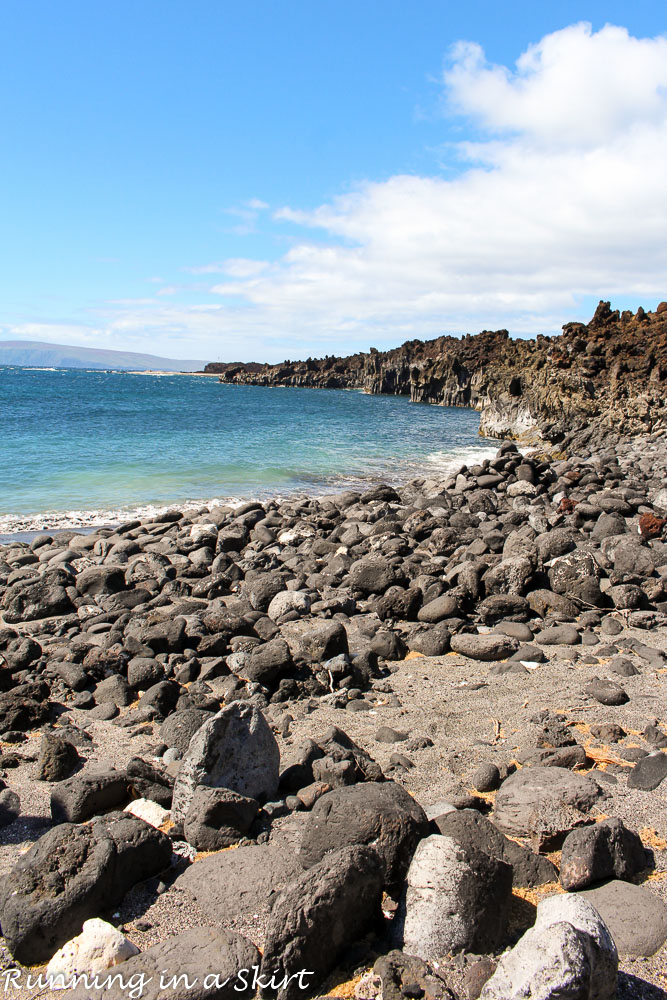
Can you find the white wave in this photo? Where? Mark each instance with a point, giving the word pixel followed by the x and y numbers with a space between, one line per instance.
pixel 454 458
pixel 436 463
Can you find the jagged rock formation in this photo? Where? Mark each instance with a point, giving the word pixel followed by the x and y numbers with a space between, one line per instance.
pixel 219 367
pixel 608 376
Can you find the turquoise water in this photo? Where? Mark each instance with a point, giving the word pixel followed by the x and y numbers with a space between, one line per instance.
pixel 80 448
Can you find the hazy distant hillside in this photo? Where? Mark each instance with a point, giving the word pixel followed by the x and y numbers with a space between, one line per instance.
pixel 34 352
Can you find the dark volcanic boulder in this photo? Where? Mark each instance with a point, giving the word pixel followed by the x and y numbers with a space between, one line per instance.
pixel 383 815
pixel 101 580
pixel 88 793
pixel 148 781
pixel 10 805
pixel 180 727
pixel 267 662
pixel 474 832
pixel 372 575
pixel 649 772
pixel 234 749
pixel 446 606
pixel 73 873
pixel 240 882
pixel 165 637
pixel 217 818
pixel 606 692
pixel 319 915
pixel 319 642
pixel 24 707
pixel 43 598
pixel 431 640
pixel 603 850
pixel 484 647
pixel 544 800
pixel 576 576
pixel 57 758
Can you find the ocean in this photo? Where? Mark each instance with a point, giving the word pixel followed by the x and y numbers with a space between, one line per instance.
pixel 84 448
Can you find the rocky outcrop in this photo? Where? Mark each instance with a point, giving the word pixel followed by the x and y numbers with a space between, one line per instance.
pixel 606 376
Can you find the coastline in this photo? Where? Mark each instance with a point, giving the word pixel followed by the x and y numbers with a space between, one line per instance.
pixel 12 525
pixel 155 372
pixel 461 618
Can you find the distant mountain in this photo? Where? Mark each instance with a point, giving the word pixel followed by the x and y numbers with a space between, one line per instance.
pixel 29 353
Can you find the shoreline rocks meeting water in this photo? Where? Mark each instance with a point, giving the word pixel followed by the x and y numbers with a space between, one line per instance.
pixel 402 743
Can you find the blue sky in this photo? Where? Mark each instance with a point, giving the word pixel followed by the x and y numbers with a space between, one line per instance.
pixel 269 179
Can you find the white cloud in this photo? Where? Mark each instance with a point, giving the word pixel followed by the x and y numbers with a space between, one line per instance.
pixel 565 199
pixel 235 267
pixel 573 88
pixel 561 197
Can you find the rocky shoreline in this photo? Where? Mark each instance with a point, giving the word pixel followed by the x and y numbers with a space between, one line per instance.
pixel 596 380
pixel 381 737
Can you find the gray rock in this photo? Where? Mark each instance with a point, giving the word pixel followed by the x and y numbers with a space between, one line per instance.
pixel 544 801
pixel 606 692
pixel 165 637
pixel 623 666
pixel 611 626
pixel 636 918
pixel 114 690
pixel 484 647
pixel 217 818
pixel 603 850
pixel 263 589
pixel 318 642
pixel 288 602
pixel 57 758
pixel 24 707
pixel 234 749
pixel 486 778
pixel 10 806
pixel 372 575
pixel 101 580
pixel 437 610
pixel 386 734
pixel 382 815
pixel 456 900
pixel 149 781
pixel 161 698
pixel 319 915
pixel 268 662
pixel 510 576
pixel 240 882
pixel 568 954
pixel 179 728
pixel 430 641
pixel 632 559
pixel 89 793
pixel 143 672
pixel 73 873
pixel 497 606
pixel 576 576
pixel 649 772
pixel 207 956
pixel 557 635
pixel 518 630
pixel 36 599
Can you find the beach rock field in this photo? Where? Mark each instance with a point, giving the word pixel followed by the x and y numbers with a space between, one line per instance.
pixel 408 743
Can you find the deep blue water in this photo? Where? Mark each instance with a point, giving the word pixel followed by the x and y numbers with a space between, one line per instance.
pixel 81 447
